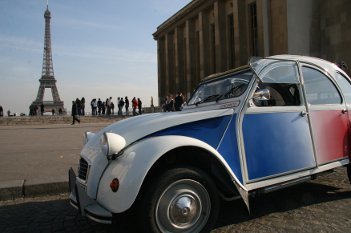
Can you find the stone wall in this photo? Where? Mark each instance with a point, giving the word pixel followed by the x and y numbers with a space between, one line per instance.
pixel 41 120
pixel 38 120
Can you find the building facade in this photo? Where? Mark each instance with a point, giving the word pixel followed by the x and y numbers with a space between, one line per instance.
pixel 211 36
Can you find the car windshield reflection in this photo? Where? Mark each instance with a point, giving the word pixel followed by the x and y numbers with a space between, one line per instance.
pixel 224 88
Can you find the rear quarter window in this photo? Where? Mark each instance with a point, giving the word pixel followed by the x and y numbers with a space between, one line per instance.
pixel 345 86
pixel 319 88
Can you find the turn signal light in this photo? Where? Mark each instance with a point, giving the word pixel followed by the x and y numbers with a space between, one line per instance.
pixel 114 185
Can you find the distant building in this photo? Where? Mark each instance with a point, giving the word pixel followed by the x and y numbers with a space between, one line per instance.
pixel 210 36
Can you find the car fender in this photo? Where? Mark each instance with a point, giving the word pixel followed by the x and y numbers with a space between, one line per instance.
pixel 132 167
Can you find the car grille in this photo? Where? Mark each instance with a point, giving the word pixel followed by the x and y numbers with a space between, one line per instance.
pixel 83 169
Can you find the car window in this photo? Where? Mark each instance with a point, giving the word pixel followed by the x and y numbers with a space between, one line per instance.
pixel 275 71
pixel 345 86
pixel 281 79
pixel 319 88
pixel 281 94
pixel 230 86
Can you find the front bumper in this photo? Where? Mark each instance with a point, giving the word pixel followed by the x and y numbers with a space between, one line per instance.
pixel 86 205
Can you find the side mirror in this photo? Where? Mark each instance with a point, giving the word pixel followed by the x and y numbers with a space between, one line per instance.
pixel 263 94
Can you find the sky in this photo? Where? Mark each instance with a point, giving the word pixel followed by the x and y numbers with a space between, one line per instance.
pixel 100 49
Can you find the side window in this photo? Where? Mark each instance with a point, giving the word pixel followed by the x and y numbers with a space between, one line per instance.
pixel 345 86
pixel 319 89
pixel 280 79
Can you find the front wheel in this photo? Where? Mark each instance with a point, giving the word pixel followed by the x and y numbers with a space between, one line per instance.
pixel 183 200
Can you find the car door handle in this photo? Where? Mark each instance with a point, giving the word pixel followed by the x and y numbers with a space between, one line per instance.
pixel 303 113
pixel 344 111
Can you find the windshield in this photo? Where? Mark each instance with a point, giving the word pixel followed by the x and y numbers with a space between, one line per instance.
pixel 225 88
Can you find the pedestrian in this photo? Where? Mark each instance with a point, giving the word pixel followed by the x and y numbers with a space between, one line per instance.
pixel 42 109
pixel 126 102
pixel 75 112
pixel 170 104
pixel 103 108
pixel 108 107
pixel 112 106
pixel 134 106
pixel 118 105
pixel 1 111
pixel 82 106
pixel 139 106
pixel 178 102
pixel 99 105
pixel 121 105
pixel 94 107
pixel 53 112
pixel 79 107
pixel 165 104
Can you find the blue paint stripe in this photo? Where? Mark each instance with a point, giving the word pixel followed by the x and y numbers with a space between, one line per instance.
pixel 229 149
pixel 276 143
pixel 209 130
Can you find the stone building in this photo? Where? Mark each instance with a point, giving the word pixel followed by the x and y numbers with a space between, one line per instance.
pixel 210 36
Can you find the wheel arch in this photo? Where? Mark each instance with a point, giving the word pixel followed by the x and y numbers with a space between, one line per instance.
pixel 197 157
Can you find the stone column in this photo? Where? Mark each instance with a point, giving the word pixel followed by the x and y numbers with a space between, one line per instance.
pixel 220 37
pixel 237 46
pixel 177 63
pixel 167 66
pixel 202 44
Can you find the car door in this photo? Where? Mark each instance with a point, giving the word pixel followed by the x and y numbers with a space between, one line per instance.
pixel 328 115
pixel 345 85
pixel 276 132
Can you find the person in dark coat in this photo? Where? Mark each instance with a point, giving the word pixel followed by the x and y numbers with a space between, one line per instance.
pixel 126 101
pixel 42 109
pixel 139 106
pixel 178 101
pixel 74 113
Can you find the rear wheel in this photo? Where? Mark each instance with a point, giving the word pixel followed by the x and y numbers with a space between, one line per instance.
pixel 183 200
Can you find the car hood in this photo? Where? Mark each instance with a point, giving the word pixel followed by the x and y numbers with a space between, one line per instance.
pixel 135 128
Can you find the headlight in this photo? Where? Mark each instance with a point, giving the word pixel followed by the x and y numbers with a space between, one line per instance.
pixel 88 136
pixel 111 143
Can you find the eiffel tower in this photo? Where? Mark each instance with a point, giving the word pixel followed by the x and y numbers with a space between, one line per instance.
pixel 47 80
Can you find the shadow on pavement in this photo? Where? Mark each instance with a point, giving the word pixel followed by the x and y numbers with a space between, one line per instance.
pixel 281 201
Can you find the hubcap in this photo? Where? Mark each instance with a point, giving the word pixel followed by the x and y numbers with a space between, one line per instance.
pixel 183 207
pixel 184 210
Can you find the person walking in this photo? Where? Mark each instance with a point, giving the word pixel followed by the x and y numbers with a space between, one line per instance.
pixel 82 106
pixel 126 102
pixel 42 109
pixel 74 113
pixel 121 105
pixel 139 106
pixel 178 102
pixel 99 105
pixel 134 106
pixel 1 111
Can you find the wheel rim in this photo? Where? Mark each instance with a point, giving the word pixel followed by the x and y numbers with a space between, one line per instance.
pixel 184 206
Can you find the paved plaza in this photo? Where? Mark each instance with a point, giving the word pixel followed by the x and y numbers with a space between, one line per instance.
pixel 322 205
pixel 39 155
pixel 43 154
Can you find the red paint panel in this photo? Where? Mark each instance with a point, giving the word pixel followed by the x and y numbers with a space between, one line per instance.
pixel 330 130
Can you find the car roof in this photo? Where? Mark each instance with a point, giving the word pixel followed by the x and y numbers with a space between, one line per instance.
pixel 327 66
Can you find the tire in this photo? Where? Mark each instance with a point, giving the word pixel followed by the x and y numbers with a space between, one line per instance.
pixel 182 200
